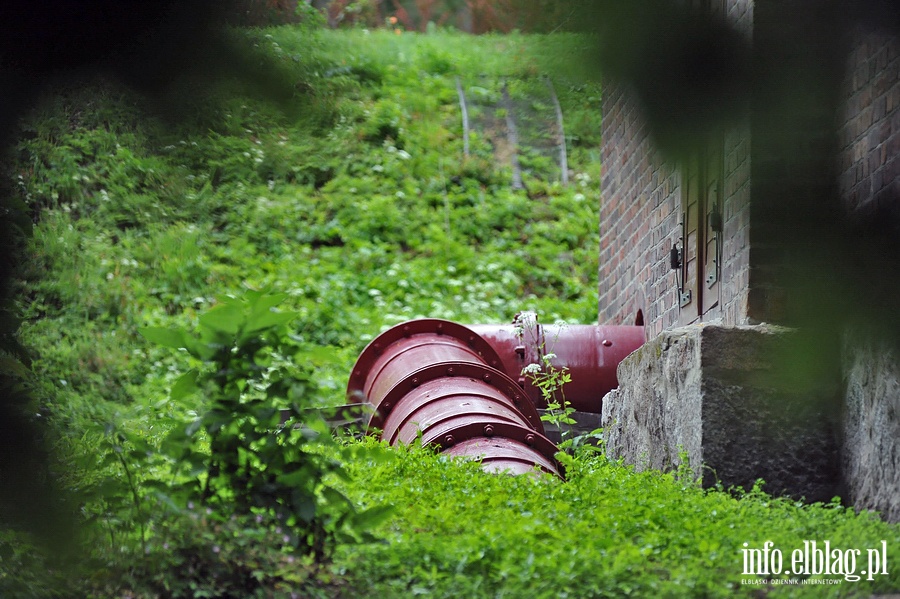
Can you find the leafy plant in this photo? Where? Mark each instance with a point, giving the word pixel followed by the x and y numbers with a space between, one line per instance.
pixel 361 208
pixel 608 531
pixel 256 459
pixel 550 380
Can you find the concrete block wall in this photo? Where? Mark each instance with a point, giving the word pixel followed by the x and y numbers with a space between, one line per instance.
pixel 713 395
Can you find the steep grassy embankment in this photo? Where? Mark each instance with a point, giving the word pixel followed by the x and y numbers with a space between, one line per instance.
pixel 358 207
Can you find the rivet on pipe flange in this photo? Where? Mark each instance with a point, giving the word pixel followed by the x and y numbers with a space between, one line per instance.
pixel 607 343
pixel 450 371
pixel 377 348
pixel 487 378
pixel 386 405
pixel 529 440
pixel 449 440
pixel 471 339
pixel 414 382
pixel 517 400
pixel 488 431
pixel 406 331
pixel 440 328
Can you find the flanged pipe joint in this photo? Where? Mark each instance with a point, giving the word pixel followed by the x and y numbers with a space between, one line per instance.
pixel 462 388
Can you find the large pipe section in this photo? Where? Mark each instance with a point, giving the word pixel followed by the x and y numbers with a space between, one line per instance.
pixel 462 387
pixel 590 353
pixel 441 380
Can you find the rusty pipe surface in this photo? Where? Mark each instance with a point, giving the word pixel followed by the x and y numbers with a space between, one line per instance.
pixel 462 388
pixel 590 353
pixel 441 380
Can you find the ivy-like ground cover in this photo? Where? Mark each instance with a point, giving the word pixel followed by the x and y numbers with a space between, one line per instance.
pixel 606 532
pixel 356 209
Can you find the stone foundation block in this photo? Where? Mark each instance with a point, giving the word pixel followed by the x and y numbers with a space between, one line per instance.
pixel 722 398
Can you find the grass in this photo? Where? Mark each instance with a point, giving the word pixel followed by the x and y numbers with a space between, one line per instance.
pixel 361 208
pixel 358 204
pixel 606 532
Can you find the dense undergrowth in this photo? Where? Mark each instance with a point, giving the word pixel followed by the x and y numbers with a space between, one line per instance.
pixel 350 211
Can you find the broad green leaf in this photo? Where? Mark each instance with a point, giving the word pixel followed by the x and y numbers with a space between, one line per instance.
pixel 265 320
pixel 200 348
pixel 226 318
pixel 264 303
pixel 193 427
pixel 374 516
pixel 293 479
pixel 334 497
pixel 173 338
pixel 185 385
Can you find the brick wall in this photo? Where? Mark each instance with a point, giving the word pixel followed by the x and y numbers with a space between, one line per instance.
pixel 736 214
pixel 870 183
pixel 640 215
pixel 870 132
pixel 736 194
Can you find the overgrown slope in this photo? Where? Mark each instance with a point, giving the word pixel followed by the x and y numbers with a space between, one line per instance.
pixel 356 207
pixel 359 204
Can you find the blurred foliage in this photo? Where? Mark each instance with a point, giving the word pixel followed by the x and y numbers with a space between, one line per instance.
pixel 470 16
pixel 357 207
pixel 820 268
pixel 167 51
pixel 349 195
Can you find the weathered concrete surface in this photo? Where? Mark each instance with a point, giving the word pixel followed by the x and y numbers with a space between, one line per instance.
pixel 716 395
pixel 655 413
pixel 871 429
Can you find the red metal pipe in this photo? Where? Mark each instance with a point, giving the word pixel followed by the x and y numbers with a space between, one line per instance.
pixel 410 346
pixel 437 379
pixel 462 388
pixel 590 353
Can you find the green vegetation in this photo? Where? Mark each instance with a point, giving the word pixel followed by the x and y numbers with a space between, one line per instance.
pixel 271 246
pixel 606 532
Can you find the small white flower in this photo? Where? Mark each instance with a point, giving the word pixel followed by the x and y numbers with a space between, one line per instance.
pixel 549 356
pixel 531 369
